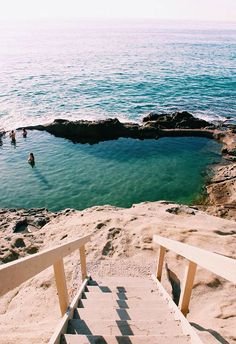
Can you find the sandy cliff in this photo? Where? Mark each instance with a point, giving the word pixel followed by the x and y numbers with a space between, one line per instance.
pixel 121 245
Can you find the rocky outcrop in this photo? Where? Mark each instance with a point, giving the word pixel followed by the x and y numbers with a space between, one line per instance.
pixel 181 120
pixel 22 231
pixel 19 233
pixel 221 189
pixel 110 129
pixel 221 192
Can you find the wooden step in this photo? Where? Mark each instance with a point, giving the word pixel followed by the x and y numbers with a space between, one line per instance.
pixel 80 339
pixel 127 304
pixel 124 328
pixel 122 296
pixel 106 313
pixel 124 281
pixel 120 289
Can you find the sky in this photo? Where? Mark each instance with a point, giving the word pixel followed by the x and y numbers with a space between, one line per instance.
pixel 212 10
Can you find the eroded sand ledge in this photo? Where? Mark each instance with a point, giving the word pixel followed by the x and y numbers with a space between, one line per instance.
pixel 121 246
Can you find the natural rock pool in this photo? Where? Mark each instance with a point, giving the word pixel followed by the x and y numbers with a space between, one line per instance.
pixel 119 172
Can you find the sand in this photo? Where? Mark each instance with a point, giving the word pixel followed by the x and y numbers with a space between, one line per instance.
pixel 122 246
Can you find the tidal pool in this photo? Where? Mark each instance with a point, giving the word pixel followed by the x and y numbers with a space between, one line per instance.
pixel 120 172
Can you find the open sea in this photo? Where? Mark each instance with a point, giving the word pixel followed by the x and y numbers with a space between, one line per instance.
pixel 99 69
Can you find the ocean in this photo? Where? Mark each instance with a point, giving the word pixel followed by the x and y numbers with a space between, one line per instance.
pixel 85 69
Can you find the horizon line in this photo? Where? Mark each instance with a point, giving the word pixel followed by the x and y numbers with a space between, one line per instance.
pixel 53 18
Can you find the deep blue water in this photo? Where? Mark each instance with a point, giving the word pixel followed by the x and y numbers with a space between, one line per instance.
pixel 94 70
pixel 85 69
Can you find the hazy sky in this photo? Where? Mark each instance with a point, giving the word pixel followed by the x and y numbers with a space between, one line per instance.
pixel 224 10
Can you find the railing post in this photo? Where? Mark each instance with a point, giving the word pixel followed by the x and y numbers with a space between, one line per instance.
pixel 83 262
pixel 160 262
pixel 60 278
pixel 186 290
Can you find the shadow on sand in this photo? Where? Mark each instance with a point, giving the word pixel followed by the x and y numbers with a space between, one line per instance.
pixel 215 334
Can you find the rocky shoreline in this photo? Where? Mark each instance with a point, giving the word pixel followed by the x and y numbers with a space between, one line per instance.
pixel 221 189
pixel 21 228
pixel 171 125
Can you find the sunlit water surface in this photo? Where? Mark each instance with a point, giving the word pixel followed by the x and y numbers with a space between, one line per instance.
pixel 120 172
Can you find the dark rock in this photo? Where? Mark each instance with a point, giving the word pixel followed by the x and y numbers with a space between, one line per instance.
pixel 19 242
pixel 20 226
pixel 100 225
pixel 181 120
pixel 181 210
pixel 84 130
pixel 110 129
pixel 153 116
pixel 12 255
pixel 32 249
pixel 39 222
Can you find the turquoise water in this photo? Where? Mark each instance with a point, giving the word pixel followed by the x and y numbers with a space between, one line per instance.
pixel 120 172
pixel 125 69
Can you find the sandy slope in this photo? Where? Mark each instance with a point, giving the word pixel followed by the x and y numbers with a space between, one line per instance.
pixel 122 245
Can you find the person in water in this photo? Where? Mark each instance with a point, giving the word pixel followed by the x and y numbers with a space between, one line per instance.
pixel 24 132
pixel 31 159
pixel 13 136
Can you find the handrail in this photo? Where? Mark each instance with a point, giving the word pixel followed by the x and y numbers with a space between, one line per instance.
pixel 15 273
pixel 216 263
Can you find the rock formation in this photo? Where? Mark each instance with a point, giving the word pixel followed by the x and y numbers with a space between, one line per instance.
pixel 21 231
pixel 180 120
pixel 177 124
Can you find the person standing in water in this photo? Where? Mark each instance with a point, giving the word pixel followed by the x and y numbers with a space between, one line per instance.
pixel 12 136
pixel 31 159
pixel 24 132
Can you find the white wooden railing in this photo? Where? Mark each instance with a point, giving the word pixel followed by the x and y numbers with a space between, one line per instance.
pixel 216 263
pixel 14 273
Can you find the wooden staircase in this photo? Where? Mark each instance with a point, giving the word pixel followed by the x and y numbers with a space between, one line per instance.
pixel 120 310
pixel 123 311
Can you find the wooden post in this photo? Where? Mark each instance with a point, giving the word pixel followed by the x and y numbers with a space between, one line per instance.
pixel 160 262
pixel 186 290
pixel 60 278
pixel 83 262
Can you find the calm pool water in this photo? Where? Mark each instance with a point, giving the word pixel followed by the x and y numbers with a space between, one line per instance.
pixel 120 172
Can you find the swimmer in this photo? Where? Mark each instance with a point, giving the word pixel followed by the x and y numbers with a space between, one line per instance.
pixel 31 159
pixel 12 136
pixel 24 132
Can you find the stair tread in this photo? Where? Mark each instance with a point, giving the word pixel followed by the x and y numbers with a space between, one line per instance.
pixel 122 296
pixel 137 281
pixel 126 304
pixel 121 327
pixel 122 313
pixel 120 289
pixel 162 339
